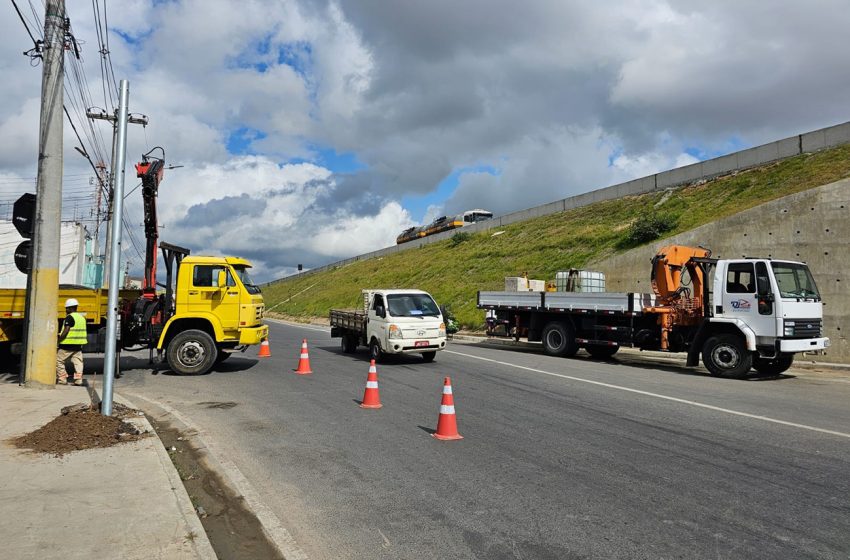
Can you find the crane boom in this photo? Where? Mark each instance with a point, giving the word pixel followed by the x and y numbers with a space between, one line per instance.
pixel 150 171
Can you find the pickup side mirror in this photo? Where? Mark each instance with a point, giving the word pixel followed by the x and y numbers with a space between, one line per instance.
pixel 222 279
pixel 381 312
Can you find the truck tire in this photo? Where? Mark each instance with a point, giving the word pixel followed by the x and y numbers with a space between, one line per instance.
pixel 428 357
pixel 601 352
pixel 726 355
pixel 775 366
pixel 191 352
pixel 375 351
pixel 559 339
pixel 349 343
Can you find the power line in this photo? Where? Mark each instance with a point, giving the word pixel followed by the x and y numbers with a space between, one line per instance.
pixel 27 27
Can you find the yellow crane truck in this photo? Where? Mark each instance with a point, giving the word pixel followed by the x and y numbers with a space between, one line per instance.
pixel 211 309
pixel 215 309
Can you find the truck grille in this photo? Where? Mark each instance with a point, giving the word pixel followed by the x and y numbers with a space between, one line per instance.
pixel 803 328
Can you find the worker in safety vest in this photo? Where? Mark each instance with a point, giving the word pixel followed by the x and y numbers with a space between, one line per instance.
pixel 71 342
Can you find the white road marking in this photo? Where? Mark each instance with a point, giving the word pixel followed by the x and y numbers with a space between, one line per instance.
pixel 299 325
pixel 657 396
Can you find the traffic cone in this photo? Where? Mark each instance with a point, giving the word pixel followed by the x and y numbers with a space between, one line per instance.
pixel 371 397
pixel 304 362
pixel 265 351
pixel 447 423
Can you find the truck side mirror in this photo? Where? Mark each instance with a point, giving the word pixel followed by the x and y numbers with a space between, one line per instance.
pixel 381 312
pixel 222 279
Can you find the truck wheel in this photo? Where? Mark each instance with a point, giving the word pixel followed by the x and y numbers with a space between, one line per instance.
pixel 773 366
pixel 601 352
pixel 191 352
pixel 727 355
pixel 349 343
pixel 429 356
pixel 559 339
pixel 375 352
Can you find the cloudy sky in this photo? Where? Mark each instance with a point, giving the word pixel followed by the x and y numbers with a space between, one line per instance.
pixel 310 131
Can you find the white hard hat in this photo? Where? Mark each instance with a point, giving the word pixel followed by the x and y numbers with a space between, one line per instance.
pixel 71 302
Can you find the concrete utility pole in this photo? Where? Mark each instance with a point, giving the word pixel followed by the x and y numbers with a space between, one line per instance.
pixel 103 115
pixel 41 324
pixel 109 360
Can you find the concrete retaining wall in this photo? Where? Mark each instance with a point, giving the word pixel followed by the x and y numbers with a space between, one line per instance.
pixel 745 159
pixel 811 226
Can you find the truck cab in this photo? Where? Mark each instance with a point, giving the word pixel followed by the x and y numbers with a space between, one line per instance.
pixel 763 311
pixel 217 309
pixel 402 322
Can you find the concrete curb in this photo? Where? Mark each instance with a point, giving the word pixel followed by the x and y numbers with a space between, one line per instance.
pixel 237 481
pixel 201 543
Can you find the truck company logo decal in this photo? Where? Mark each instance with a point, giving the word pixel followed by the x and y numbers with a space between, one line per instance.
pixel 741 305
pixel 420 333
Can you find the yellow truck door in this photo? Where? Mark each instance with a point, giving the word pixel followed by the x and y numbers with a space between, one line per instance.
pixel 205 295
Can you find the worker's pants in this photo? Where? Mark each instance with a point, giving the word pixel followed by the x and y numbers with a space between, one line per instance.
pixel 76 357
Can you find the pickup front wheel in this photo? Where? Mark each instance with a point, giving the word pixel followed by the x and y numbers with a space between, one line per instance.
pixel 727 355
pixel 375 351
pixel 191 352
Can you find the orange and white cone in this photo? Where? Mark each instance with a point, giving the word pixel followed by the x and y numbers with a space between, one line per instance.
pixel 447 423
pixel 371 397
pixel 265 351
pixel 304 361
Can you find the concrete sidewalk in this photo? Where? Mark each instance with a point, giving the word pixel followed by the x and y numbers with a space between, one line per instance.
pixel 125 501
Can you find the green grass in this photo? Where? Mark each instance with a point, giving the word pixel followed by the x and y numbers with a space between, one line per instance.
pixel 453 270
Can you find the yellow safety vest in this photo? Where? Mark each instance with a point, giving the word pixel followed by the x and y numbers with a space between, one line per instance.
pixel 77 334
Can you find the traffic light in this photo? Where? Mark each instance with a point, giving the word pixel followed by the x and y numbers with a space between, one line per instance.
pixel 23 217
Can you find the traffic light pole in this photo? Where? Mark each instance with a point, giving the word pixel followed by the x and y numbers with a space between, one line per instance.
pixel 43 294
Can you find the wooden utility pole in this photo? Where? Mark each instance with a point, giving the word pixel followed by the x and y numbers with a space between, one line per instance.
pixel 41 316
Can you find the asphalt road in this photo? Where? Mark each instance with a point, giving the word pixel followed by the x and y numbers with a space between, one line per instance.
pixel 561 458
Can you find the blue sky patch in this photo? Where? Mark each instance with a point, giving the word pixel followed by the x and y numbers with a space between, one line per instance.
pixel 239 141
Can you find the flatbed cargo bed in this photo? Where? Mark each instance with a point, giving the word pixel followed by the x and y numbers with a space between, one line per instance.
pixel 568 302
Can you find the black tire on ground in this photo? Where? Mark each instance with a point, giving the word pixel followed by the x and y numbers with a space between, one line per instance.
pixel 601 352
pixel 429 356
pixel 349 343
pixel 727 355
pixel 774 366
pixel 191 352
pixel 559 339
pixel 375 352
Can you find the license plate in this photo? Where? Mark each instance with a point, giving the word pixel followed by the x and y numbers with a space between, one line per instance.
pixel 420 343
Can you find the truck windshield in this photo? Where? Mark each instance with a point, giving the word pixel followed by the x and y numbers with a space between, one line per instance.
pixel 242 272
pixel 412 305
pixel 795 281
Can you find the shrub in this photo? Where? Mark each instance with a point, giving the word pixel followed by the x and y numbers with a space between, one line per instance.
pixel 648 227
pixel 459 238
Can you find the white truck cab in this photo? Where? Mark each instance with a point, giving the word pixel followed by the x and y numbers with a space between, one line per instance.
pixel 403 321
pixel 400 321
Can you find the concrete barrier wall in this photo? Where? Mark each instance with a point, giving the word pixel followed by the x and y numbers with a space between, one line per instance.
pixel 738 161
pixel 812 226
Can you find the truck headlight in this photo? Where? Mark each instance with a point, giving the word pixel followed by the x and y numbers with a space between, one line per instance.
pixel 395 332
pixel 789 328
pixel 442 330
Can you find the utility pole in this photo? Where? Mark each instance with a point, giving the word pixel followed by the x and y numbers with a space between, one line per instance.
pixel 132 119
pixel 109 358
pixel 41 324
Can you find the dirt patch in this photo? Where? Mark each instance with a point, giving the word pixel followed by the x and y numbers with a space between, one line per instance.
pixel 79 427
pixel 232 528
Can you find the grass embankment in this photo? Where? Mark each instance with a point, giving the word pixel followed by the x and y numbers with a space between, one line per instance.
pixel 454 270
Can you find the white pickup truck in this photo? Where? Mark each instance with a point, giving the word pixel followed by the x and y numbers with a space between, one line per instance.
pixel 392 322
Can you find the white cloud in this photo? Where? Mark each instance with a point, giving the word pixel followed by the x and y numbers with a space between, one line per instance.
pixel 558 97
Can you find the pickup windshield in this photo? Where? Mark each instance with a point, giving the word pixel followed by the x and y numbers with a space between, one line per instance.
pixel 795 281
pixel 242 272
pixel 412 305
